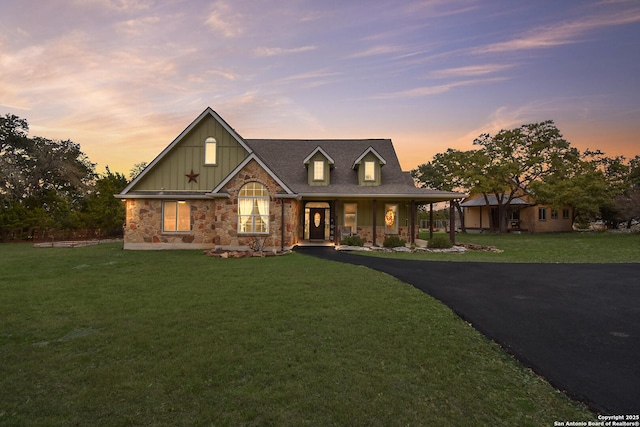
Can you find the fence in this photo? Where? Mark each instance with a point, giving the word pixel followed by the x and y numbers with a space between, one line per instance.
pixel 49 235
pixel 438 224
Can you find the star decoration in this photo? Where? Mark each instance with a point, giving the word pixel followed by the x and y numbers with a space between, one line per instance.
pixel 193 177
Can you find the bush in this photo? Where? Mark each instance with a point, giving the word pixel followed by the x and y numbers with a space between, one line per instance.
pixel 393 242
pixel 440 242
pixel 352 241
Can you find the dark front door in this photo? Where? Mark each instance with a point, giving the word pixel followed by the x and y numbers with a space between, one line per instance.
pixel 316 224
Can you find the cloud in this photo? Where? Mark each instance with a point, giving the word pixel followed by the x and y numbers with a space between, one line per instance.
pixel 311 78
pixel 378 50
pixel 134 27
pixel 434 90
pixel 440 8
pixel 469 71
pixel 509 116
pixel 279 51
pixel 562 33
pixel 225 20
pixel 119 5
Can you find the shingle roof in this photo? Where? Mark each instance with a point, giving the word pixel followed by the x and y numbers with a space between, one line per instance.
pixel 493 201
pixel 286 159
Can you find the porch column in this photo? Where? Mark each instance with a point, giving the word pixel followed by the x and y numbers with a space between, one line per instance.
pixel 333 211
pixel 452 223
pixel 375 213
pixel 430 220
pixel 413 222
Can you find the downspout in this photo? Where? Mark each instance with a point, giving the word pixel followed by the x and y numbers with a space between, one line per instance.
pixel 282 226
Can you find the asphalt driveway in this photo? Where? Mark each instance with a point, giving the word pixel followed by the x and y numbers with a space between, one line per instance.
pixel 577 325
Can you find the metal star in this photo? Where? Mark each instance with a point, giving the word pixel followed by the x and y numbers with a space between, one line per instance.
pixel 193 177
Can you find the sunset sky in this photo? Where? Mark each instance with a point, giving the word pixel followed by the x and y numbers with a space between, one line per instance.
pixel 123 78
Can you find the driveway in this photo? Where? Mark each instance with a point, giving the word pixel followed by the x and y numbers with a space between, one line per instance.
pixel 577 325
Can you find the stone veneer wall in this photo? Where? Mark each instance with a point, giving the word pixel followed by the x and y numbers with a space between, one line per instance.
pixel 144 225
pixel 366 233
pixel 214 221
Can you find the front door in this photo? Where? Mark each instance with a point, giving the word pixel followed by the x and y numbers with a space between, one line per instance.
pixel 316 223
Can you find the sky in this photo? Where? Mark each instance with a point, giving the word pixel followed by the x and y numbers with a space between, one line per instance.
pixel 123 78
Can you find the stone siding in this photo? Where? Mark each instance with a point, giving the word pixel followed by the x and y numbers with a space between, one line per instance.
pixel 366 233
pixel 214 221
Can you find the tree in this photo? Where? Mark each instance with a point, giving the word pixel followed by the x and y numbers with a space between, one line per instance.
pixel 519 157
pixel 47 178
pixel 598 187
pixel 103 211
pixel 137 170
pixel 453 170
pixel 627 202
pixel 535 159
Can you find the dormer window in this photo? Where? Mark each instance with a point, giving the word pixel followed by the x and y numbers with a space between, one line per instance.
pixel 319 164
pixel 318 170
pixel 368 166
pixel 369 171
pixel 210 151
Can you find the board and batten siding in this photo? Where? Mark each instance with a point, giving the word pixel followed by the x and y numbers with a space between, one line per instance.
pixel 188 155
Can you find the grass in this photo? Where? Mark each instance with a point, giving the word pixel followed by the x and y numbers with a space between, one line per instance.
pixel 579 247
pixel 102 336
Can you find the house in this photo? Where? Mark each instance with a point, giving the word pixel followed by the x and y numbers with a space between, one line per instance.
pixel 212 188
pixel 523 215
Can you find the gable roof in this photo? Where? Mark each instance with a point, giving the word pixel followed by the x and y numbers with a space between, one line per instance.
pixel 286 157
pixel 252 156
pixel 207 112
pixel 493 201
pixel 321 151
pixel 367 151
pixel 285 161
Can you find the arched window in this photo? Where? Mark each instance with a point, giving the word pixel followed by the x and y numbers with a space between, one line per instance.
pixel 253 208
pixel 210 151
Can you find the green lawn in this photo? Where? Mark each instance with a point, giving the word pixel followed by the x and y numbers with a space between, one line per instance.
pixel 579 247
pixel 102 336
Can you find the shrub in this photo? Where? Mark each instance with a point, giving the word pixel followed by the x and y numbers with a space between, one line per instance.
pixel 393 242
pixel 440 242
pixel 352 241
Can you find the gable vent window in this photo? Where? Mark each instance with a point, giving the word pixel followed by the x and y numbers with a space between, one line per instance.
pixel 318 170
pixel 369 171
pixel 210 151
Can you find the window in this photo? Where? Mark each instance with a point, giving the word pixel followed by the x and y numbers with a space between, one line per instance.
pixel 391 219
pixel 565 213
pixel 176 216
pixel 542 214
pixel 369 171
pixel 318 170
pixel 253 208
pixel 210 151
pixel 351 216
pixel 554 214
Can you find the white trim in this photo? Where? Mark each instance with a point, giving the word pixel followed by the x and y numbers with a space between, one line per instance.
pixel 173 196
pixel 324 153
pixel 417 197
pixel 367 151
pixel 246 161
pixel 207 112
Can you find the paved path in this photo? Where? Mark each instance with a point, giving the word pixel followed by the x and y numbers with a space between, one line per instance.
pixel 577 325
